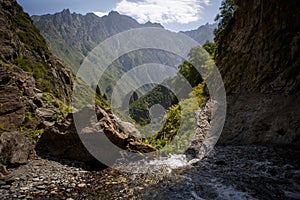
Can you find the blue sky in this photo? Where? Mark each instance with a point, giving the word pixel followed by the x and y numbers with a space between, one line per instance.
pixel 173 14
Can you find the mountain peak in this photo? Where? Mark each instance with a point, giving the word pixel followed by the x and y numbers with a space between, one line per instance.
pixel 113 13
pixel 66 11
pixel 150 24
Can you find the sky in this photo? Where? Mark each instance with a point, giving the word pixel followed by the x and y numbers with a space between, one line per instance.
pixel 176 15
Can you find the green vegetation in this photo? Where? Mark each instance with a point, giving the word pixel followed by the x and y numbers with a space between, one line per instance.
pixel 29 115
pixel 180 116
pixel 40 72
pixel 139 110
pixel 63 107
pixel 184 110
pixel 83 91
pixel 2 125
pixel 224 19
pixel 35 135
pixel 210 47
pixel 27 32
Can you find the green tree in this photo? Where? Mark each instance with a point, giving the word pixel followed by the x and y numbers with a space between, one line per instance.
pixel 224 19
pixel 198 58
pixel 210 47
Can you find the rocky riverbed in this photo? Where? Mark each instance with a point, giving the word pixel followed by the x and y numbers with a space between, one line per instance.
pixel 232 172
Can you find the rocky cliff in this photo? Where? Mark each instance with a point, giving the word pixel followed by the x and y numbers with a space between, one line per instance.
pixel 259 59
pixel 27 70
pixel 28 74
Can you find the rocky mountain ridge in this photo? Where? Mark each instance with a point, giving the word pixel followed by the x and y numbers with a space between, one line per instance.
pixel 72 36
pixel 203 33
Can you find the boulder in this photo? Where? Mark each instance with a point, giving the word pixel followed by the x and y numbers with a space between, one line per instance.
pixel 127 127
pixel 70 141
pixel 15 149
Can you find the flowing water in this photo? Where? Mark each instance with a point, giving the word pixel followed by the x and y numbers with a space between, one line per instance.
pixel 231 172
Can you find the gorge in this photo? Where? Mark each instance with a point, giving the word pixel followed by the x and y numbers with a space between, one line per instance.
pixel 257 155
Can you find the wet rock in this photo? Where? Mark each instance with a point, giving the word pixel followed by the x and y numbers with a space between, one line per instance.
pixel 220 162
pixel 81 185
pixel 41 187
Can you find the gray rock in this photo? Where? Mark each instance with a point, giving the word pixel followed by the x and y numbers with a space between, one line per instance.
pixel 262 119
pixel 261 74
pixel 41 187
pixel 127 127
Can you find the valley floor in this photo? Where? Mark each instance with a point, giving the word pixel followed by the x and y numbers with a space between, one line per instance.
pixel 231 172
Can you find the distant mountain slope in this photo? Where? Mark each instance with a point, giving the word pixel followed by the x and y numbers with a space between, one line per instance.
pixel 203 33
pixel 72 36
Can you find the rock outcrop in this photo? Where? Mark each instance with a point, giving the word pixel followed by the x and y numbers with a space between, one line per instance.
pixel 66 140
pixel 35 93
pixel 259 59
pixel 23 46
pixel 27 69
pixel 27 72
pixel 262 119
pixel 204 116
pixel 15 149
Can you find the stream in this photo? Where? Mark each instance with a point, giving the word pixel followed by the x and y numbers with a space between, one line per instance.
pixel 227 173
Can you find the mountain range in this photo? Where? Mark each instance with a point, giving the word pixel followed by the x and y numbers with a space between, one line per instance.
pixel 72 36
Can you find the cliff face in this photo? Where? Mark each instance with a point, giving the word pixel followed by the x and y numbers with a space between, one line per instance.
pixel 27 71
pixel 259 59
pixel 261 51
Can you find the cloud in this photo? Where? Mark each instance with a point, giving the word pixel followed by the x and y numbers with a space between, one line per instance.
pixel 163 11
pixel 100 14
